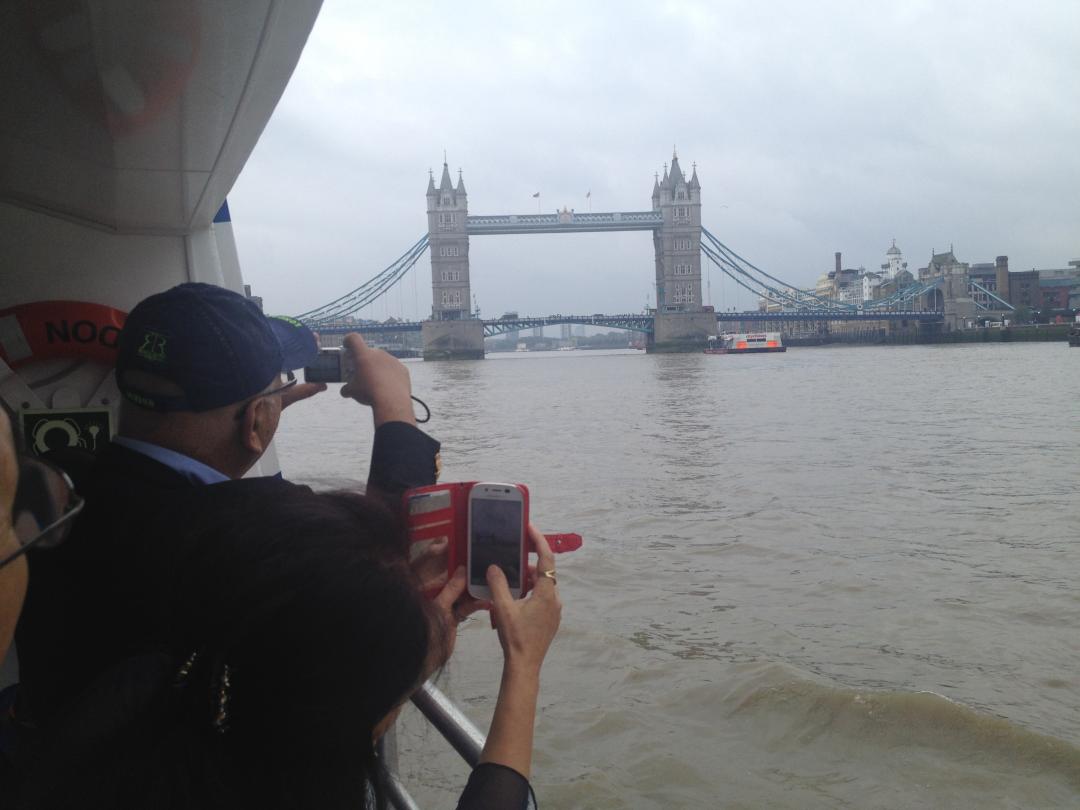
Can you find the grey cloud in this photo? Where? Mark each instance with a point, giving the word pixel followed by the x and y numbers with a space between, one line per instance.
pixel 820 126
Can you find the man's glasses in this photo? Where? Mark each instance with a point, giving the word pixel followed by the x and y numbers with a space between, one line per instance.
pixel 285 386
pixel 44 509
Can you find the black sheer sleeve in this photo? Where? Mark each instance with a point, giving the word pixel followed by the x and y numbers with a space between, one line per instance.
pixel 496 787
pixel 402 456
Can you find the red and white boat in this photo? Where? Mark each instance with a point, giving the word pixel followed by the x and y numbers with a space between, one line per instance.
pixel 746 343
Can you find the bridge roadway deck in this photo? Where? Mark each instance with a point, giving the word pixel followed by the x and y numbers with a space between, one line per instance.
pixel 923 316
pixel 564 222
pixel 638 322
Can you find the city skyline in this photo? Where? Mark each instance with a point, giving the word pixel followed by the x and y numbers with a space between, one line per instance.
pixel 817 133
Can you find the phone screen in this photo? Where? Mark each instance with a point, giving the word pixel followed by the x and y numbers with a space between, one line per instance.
pixel 495 539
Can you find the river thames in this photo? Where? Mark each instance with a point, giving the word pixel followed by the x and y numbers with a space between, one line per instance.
pixel 837 577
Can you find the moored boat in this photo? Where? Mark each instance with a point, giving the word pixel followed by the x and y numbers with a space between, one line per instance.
pixel 716 345
pixel 746 343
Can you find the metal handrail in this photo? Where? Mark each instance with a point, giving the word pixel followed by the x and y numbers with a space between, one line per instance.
pixel 398 796
pixel 457 729
pixel 451 722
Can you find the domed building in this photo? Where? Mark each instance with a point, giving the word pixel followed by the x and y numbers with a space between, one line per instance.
pixel 894 261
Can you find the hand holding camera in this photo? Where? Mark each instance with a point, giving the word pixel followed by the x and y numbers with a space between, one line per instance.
pixel 374 377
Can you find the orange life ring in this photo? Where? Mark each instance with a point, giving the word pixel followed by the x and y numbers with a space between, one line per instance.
pixel 42 330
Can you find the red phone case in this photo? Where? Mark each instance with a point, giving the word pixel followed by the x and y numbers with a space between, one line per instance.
pixel 441 511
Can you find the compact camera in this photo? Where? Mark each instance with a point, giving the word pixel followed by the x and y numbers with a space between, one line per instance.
pixel 331 366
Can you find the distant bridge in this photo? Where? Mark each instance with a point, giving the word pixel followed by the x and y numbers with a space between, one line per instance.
pixel 681 244
pixel 819 315
pixel 634 323
pixel 641 322
pixel 564 222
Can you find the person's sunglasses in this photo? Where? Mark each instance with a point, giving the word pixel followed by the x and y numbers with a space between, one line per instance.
pixel 45 507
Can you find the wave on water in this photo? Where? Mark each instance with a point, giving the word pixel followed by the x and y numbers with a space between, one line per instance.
pixel 799 712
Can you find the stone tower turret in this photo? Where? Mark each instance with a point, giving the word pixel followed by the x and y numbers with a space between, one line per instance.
pixel 678 241
pixel 449 245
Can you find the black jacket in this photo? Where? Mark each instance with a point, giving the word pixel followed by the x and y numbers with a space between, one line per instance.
pixel 92 600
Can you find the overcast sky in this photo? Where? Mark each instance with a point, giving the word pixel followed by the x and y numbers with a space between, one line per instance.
pixel 816 127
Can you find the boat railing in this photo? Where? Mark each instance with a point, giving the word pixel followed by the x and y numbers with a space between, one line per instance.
pixel 457 729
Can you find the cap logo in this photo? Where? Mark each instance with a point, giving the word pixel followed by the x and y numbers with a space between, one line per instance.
pixel 139 399
pixel 153 347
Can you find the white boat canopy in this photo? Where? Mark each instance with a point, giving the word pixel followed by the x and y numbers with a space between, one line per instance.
pixel 134 116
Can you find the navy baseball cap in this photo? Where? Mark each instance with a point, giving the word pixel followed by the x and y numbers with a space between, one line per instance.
pixel 213 344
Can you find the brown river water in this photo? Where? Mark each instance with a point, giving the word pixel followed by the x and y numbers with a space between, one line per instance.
pixel 837 577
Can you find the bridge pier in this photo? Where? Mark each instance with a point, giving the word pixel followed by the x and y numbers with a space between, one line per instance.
pixel 453 340
pixel 958 304
pixel 681 332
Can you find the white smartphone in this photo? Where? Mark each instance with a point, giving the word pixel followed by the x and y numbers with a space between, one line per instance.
pixel 496 536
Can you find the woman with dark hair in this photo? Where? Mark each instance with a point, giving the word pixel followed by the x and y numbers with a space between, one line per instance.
pixel 287 639
pixel 12 575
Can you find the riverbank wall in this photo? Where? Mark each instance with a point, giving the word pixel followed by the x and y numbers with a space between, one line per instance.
pixel 879 337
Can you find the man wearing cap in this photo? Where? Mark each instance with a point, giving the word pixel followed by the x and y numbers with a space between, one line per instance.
pixel 200 369
pixel 202 373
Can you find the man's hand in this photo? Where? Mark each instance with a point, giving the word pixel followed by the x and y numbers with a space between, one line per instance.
pixel 380 380
pixel 300 391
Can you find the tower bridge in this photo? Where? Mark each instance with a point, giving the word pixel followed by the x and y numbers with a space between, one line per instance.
pixel 641 322
pixel 565 222
pixel 680 322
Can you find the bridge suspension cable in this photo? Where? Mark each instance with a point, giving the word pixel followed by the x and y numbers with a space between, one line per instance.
pixel 787 300
pixel 907 293
pixel 369 291
pixel 720 262
pixel 787 296
pixel 729 261
pixel 981 305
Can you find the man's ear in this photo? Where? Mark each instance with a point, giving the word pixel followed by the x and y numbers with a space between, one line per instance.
pixel 253 426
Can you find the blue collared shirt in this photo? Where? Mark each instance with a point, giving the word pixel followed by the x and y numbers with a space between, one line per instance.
pixel 194 471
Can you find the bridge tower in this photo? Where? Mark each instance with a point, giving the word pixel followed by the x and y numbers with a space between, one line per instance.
pixel 452 332
pixel 682 323
pixel 954 289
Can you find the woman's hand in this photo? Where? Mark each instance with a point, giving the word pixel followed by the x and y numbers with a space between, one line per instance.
pixel 454 605
pixel 527 626
pixel 428 562
pixel 9 472
pixel 9 480
pixel 12 575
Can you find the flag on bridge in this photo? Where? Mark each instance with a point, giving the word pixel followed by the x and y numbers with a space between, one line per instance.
pixel 588 194
pixel 537 194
